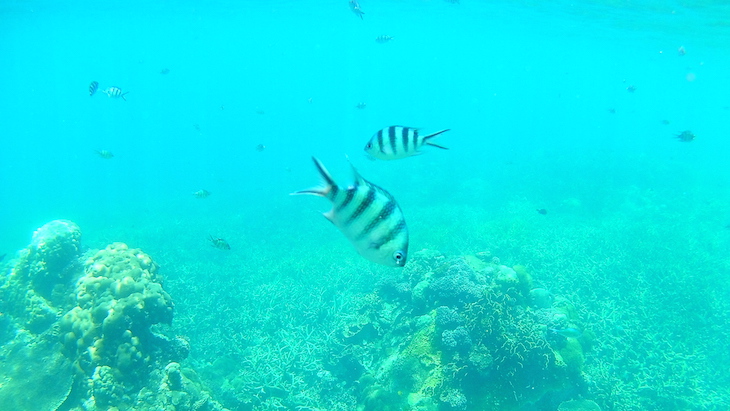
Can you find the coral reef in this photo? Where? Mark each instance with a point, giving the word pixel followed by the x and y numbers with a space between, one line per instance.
pixel 472 340
pixel 90 331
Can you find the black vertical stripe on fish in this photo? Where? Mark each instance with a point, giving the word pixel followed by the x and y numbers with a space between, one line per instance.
pixel 392 234
pixel 391 138
pixel 415 140
pixel 363 206
pixel 349 195
pixel 404 137
pixel 381 143
pixel 380 218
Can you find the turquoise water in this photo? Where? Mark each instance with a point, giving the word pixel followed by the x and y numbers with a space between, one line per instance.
pixel 537 98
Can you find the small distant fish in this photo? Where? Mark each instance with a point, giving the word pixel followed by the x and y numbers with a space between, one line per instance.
pixel 2 257
pixel 196 126
pixel 541 211
pixel 201 194
pixel 360 105
pixel 115 92
pixel 631 89
pixel 355 7
pixel 395 142
pixel 665 122
pixel 219 243
pixel 686 136
pixel 383 39
pixel 260 111
pixel 567 332
pixel 367 215
pixel 106 154
pixel 93 87
pixel 260 147
pixel 681 51
pixel 612 110
pixel 164 71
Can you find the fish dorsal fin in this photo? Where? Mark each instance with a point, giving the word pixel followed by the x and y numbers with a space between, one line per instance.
pixel 356 175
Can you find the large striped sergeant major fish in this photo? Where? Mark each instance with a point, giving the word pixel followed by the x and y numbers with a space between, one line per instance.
pixel 396 142
pixel 367 215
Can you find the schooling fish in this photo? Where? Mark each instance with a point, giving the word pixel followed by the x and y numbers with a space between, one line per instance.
pixel 395 142
pixel 383 39
pixel 93 87
pixel 368 216
pixel 115 92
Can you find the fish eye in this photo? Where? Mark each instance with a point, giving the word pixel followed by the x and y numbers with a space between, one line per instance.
pixel 368 145
pixel 399 256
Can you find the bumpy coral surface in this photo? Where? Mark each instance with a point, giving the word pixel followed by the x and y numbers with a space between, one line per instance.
pixel 89 323
pixel 119 299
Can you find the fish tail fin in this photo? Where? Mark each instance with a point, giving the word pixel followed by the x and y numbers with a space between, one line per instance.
pixel 430 136
pixel 322 190
pixel 123 98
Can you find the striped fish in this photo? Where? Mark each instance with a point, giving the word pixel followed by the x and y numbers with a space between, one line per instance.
pixel 383 39
pixel 93 87
pixel 394 142
pixel 368 216
pixel 115 92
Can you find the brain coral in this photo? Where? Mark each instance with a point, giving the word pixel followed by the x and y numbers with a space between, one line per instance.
pixel 119 298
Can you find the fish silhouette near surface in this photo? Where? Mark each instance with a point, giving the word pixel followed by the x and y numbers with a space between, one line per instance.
pixel 367 215
pixel 396 142
pixel 355 7
pixel 383 39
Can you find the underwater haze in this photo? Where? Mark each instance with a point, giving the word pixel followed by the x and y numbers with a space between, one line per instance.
pixel 569 250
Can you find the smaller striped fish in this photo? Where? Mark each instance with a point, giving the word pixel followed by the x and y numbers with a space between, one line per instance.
pixel 396 142
pixel 93 87
pixel 383 39
pixel 368 216
pixel 115 92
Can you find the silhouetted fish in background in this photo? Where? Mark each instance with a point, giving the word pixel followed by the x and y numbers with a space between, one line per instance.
pixel 201 194
pixel 105 154
pixel 2 257
pixel 260 147
pixel 355 7
pixel 686 136
pixel 115 92
pixel 383 39
pixel 93 87
pixel 542 211
pixel 219 243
